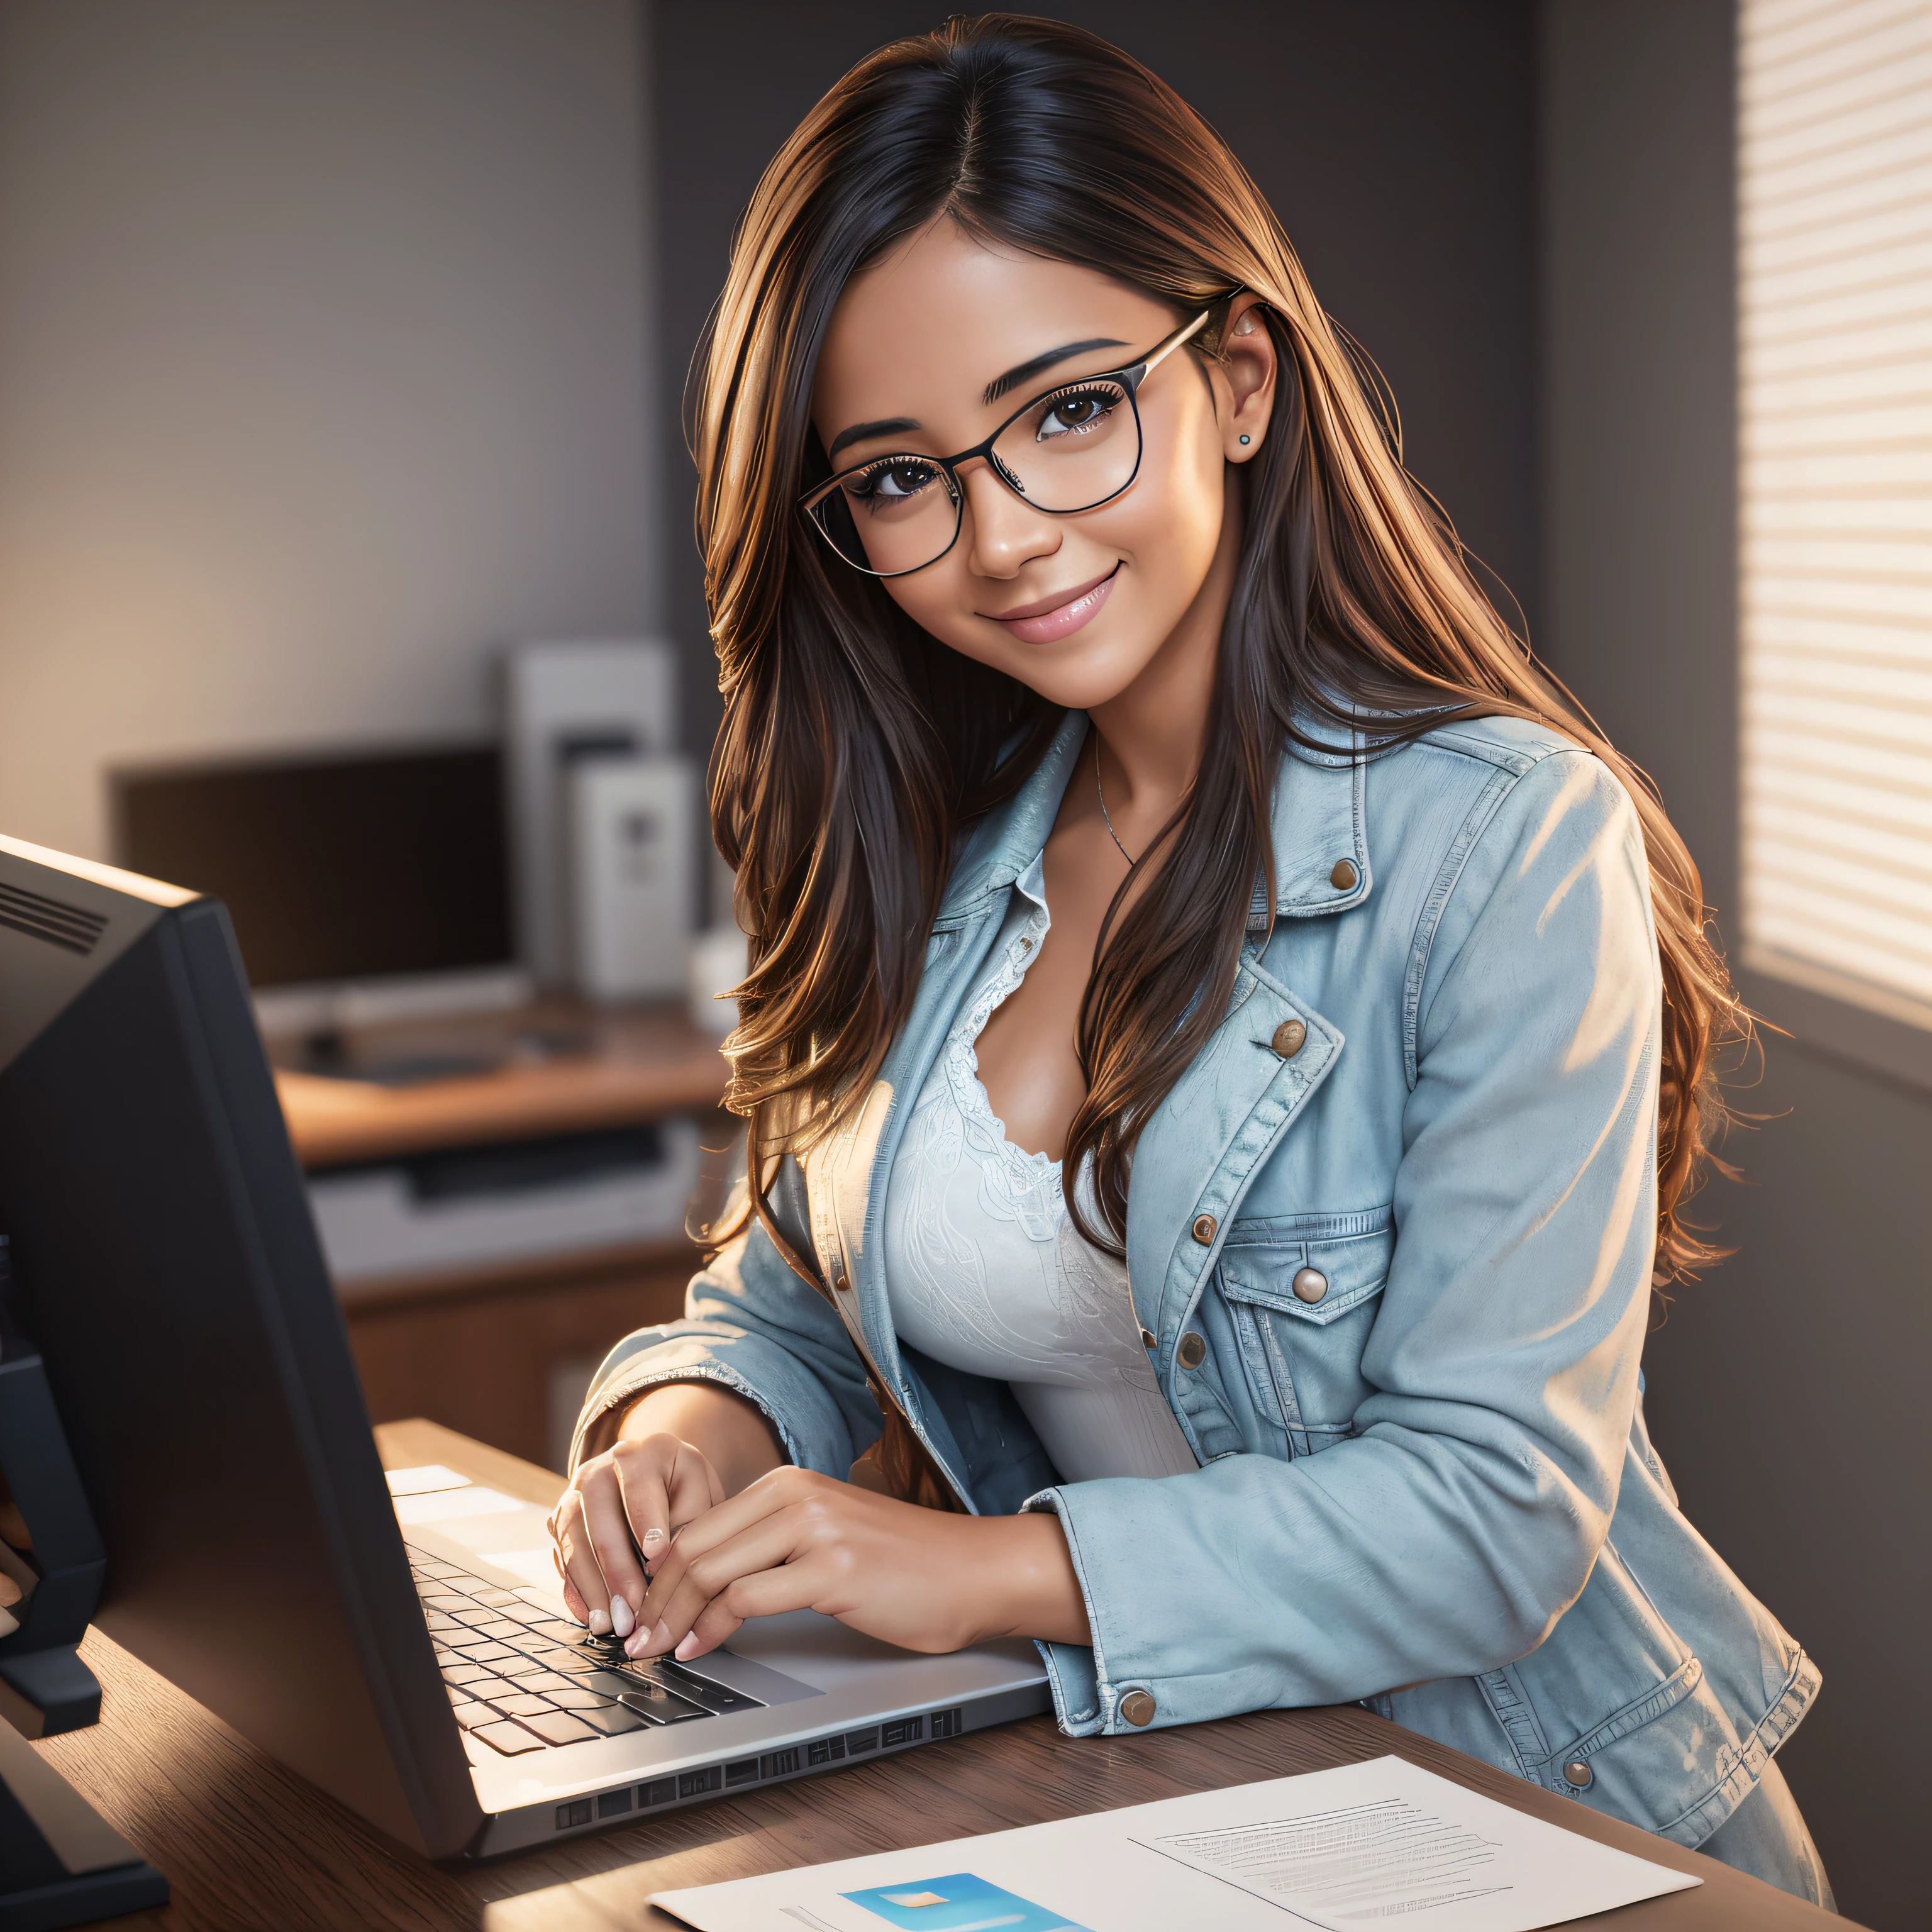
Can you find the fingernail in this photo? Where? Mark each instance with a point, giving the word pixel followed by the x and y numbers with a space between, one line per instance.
pixel 658 1639
pixel 652 1537
pixel 599 1622
pixel 688 1648
pixel 621 1620
pixel 634 1644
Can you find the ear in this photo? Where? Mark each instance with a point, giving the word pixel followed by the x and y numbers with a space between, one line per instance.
pixel 1245 379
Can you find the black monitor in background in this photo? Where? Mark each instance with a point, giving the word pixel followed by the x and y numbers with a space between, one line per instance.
pixel 352 867
pixel 165 1263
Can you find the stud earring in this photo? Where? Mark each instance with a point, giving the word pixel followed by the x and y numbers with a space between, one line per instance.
pixel 1244 439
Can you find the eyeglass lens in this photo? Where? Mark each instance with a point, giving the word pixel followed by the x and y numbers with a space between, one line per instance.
pixel 1070 450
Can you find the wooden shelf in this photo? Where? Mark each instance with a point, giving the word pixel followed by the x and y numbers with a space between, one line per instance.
pixel 480 1348
pixel 615 1068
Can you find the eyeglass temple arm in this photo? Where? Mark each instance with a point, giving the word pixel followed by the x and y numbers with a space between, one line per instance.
pixel 1174 342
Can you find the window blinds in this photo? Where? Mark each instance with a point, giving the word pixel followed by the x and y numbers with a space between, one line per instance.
pixel 1835 283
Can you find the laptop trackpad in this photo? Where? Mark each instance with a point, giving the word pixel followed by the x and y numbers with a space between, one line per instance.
pixel 737 1672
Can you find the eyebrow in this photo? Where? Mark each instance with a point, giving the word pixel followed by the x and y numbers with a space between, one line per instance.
pixel 1021 372
pixel 864 432
pixel 1025 371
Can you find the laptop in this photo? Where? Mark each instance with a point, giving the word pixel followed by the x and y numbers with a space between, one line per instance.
pixel 408 1652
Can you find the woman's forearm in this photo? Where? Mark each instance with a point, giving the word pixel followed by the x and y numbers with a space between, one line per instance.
pixel 733 1433
pixel 1032 1588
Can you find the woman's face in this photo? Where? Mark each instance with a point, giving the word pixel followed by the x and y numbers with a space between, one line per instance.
pixel 1076 607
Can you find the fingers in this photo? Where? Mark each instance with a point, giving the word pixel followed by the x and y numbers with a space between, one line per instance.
pixel 764 1594
pixel 688 1582
pixel 636 1496
pixel 584 1580
pixel 608 1530
pixel 664 1483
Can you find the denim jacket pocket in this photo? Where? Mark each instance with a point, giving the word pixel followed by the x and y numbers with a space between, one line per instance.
pixel 1301 1293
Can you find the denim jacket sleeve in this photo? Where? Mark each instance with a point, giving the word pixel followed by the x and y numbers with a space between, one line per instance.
pixel 1446 1534
pixel 751 1323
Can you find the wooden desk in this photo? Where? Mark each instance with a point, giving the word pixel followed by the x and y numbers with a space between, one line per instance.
pixel 248 1844
pixel 482 1348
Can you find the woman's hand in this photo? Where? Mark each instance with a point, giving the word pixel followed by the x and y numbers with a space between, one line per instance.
pixel 916 1577
pixel 632 1498
pixel 671 1456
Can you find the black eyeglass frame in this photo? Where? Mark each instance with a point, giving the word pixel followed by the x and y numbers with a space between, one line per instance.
pixel 1129 378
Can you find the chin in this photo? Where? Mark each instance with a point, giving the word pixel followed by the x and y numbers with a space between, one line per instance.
pixel 1078 674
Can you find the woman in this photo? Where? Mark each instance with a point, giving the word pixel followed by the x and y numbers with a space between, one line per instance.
pixel 1226 1045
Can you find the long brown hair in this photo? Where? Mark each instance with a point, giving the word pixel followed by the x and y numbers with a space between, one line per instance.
pixel 855 747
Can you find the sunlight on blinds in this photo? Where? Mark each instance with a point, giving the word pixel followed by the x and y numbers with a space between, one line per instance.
pixel 1835 238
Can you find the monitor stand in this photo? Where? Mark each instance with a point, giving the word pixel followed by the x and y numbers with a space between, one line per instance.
pixel 60 1862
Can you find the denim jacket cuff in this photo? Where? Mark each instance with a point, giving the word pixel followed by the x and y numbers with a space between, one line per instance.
pixel 649 1370
pixel 1084 1701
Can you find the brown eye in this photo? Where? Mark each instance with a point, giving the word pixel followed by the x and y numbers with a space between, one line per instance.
pixel 1074 415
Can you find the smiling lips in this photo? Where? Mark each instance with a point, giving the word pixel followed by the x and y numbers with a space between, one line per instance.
pixel 1047 621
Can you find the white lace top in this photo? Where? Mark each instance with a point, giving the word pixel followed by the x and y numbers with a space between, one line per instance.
pixel 985 1272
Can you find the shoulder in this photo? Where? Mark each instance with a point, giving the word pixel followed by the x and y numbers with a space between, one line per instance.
pixel 1496 781
pixel 1516 744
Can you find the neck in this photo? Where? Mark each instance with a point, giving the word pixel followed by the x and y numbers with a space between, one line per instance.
pixel 1153 734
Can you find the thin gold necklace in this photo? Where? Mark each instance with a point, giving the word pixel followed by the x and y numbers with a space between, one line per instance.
pixel 1102 797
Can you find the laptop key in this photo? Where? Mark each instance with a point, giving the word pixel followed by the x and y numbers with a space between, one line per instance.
pixel 560 1727
pixel 654 1701
pixel 455 1672
pixel 523 1706
pixel 698 1688
pixel 471 1716
pixel 612 1720
pixel 513 1666
pixel 511 1739
pixel 499 1631
pixel 607 1684
pixel 548 1680
pixel 574 1697
pixel 575 1663
pixel 485 1653
pixel 492 1687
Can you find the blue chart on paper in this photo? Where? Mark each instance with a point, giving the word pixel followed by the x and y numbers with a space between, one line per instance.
pixel 959 1903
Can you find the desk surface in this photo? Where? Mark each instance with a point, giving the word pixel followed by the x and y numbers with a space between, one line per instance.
pixel 246 1844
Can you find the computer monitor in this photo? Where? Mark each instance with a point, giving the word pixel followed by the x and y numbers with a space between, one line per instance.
pixel 363 886
pixel 165 1264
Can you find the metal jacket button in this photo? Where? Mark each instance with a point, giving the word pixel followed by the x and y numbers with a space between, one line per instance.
pixel 1137 1708
pixel 1193 1352
pixel 1343 878
pixel 1147 1339
pixel 1578 1772
pixel 1310 1285
pixel 843 1285
pixel 1288 1037
pixel 1204 1230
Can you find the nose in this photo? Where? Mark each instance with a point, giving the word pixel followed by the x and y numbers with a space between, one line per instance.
pixel 1004 533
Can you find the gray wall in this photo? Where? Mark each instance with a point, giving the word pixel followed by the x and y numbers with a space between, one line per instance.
pixel 1394 136
pixel 322 370
pixel 1786 1388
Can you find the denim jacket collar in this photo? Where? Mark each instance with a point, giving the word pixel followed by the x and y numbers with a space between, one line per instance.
pixel 1318 822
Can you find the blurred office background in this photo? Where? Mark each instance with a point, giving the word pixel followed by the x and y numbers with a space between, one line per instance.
pixel 340 349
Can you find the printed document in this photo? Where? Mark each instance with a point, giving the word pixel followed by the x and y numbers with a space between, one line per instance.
pixel 1380 1843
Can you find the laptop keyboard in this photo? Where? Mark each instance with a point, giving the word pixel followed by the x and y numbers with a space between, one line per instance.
pixel 521 1680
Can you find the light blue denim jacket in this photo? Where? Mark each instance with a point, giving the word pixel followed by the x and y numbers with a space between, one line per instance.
pixel 1430 1489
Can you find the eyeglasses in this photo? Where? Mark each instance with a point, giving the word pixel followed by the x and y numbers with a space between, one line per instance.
pixel 1072 449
